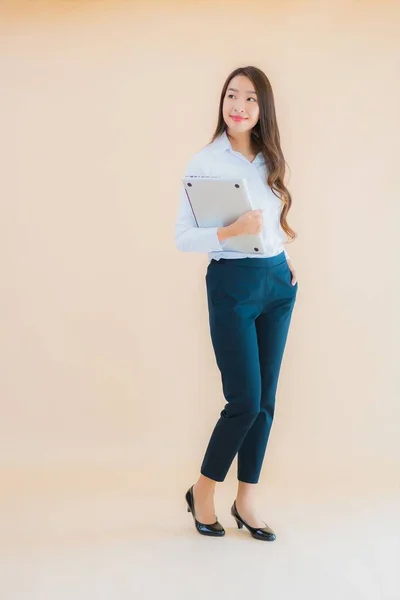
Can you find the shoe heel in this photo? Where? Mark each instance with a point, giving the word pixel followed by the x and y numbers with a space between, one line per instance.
pixel 188 509
pixel 239 524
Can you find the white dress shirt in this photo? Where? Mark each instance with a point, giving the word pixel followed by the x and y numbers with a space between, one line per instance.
pixel 219 159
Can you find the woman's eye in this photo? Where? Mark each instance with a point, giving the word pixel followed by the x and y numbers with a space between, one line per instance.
pixel 250 98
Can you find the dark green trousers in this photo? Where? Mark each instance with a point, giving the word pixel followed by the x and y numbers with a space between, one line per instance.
pixel 250 304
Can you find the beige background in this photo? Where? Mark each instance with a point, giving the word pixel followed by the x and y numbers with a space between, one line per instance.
pixel 109 388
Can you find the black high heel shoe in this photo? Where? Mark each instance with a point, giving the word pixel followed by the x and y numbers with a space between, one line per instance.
pixel 213 529
pixel 259 533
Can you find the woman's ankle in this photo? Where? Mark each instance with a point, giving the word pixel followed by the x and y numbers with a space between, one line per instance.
pixel 205 486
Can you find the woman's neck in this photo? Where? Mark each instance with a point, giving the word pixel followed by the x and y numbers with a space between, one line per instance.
pixel 244 144
pixel 241 142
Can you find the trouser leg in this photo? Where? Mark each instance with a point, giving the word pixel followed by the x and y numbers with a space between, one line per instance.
pixel 272 330
pixel 234 337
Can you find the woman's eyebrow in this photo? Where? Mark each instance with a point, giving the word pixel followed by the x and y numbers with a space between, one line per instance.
pixel 248 91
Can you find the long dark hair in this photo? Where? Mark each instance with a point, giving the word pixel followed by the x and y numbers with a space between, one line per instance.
pixel 265 137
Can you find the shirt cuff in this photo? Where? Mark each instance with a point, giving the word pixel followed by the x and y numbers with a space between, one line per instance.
pixel 200 239
pixel 214 242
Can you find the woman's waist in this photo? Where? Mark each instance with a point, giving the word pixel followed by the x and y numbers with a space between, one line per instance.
pixel 255 261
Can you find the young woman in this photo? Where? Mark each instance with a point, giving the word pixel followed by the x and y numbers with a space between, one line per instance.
pixel 250 297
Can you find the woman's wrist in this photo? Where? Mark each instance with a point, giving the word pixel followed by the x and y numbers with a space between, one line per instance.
pixel 224 233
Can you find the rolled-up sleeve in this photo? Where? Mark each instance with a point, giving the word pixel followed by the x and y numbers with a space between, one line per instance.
pixel 189 237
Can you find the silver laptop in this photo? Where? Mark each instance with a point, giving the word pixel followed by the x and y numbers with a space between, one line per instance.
pixel 219 201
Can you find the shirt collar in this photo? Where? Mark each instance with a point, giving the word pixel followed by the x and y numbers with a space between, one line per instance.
pixel 223 143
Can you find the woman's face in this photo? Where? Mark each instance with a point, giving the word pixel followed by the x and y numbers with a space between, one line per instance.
pixel 241 102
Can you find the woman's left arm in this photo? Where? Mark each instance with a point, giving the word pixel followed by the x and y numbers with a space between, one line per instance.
pixel 289 260
pixel 292 269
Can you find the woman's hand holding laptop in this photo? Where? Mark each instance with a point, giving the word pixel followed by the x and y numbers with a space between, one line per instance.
pixel 247 224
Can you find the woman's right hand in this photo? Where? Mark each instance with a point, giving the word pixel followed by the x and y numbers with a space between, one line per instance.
pixel 249 223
